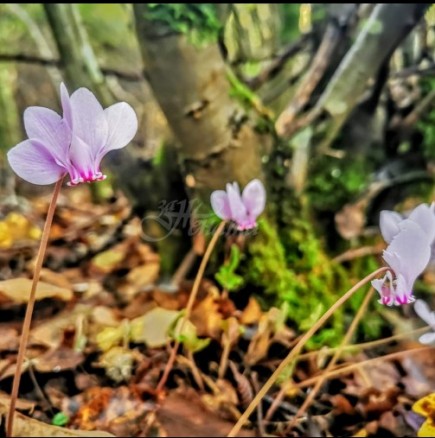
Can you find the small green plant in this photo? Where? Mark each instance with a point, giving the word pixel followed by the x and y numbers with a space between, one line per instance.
pixel 227 276
pixel 60 419
pixel 198 21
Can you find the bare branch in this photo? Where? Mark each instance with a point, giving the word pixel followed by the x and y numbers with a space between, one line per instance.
pixel 32 59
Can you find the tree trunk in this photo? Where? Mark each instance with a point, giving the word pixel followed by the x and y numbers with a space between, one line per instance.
pixel 78 58
pixel 217 143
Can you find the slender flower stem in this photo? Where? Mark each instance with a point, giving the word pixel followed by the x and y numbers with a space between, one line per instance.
pixel 190 304
pixel 334 359
pixel 30 305
pixel 330 352
pixel 298 347
pixel 348 368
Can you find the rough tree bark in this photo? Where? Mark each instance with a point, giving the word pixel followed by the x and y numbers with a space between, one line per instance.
pixel 217 143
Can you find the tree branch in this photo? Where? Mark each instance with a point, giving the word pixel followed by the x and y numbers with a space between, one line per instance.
pixel 38 60
pixel 333 37
pixel 278 63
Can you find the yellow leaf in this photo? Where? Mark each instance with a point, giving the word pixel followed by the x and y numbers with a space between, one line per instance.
pixel 427 429
pixel 111 336
pixel 108 260
pixel 152 328
pixel 425 406
pixel 17 290
pixel 5 236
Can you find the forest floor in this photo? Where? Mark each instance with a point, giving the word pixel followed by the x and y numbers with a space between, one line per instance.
pixel 99 344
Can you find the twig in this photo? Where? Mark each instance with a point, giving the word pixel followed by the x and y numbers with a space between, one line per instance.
pixel 38 388
pixel 278 63
pixel 295 351
pixel 260 420
pixel 189 305
pixel 415 70
pixel 30 305
pixel 184 268
pixel 349 368
pixel 331 39
pixel 195 371
pixel 47 62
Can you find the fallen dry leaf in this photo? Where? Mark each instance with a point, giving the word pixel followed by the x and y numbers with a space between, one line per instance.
pixel 251 313
pixel 118 363
pixel 184 414
pixel 58 360
pixel 120 410
pixel 28 427
pixel 51 333
pixel 207 318
pixel 152 328
pixel 17 291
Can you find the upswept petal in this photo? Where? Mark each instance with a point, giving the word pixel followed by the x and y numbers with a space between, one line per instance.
pixel 254 197
pixel 48 128
pixel 404 290
pixel 220 204
pixel 89 121
pixel 122 123
pixel 423 311
pixel 427 338
pixel 238 209
pixel 424 216
pixel 33 162
pixel 389 224
pixel 81 155
pixel 409 252
pixel 66 105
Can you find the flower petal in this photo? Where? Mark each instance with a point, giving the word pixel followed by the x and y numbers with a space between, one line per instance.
pixel 33 162
pixel 82 158
pixel 424 216
pixel 389 224
pixel 423 311
pixel 409 252
pixel 89 121
pixel 122 123
pixel 427 338
pixel 237 207
pixel 220 204
pixel 254 197
pixel 47 127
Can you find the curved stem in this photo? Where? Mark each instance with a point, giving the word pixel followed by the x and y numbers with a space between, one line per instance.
pixel 190 303
pixel 348 368
pixel 298 347
pixel 334 359
pixel 30 305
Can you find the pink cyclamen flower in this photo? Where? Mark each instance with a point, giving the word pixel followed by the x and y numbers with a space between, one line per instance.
pixel 423 311
pixel 243 208
pixel 408 253
pixel 75 143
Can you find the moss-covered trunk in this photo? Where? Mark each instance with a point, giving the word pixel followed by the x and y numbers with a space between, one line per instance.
pixel 217 141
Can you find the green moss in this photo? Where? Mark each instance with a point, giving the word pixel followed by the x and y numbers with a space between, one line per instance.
pixel 336 181
pixel 308 282
pixel 198 21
